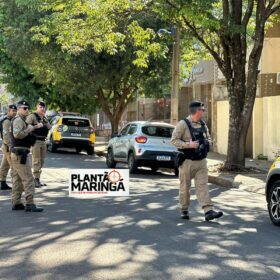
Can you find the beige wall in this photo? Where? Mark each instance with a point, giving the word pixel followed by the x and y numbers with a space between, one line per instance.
pixel 222 127
pixel 270 60
pixel 266 131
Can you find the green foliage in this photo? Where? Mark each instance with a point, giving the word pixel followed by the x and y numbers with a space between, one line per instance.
pixel 67 52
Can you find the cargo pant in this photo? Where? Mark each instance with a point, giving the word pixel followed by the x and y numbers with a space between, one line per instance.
pixel 38 157
pixel 197 170
pixel 22 180
pixel 5 163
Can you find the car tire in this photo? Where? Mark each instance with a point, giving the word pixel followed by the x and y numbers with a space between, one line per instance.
pixel 132 163
pixel 78 150
pixel 52 147
pixel 176 171
pixel 111 163
pixel 274 203
pixel 90 151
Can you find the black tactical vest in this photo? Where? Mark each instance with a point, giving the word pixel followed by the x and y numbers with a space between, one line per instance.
pixel 1 125
pixel 26 142
pixel 197 134
pixel 42 132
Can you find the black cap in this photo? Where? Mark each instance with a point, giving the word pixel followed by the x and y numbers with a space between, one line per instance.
pixel 23 103
pixel 196 104
pixel 41 103
pixel 13 106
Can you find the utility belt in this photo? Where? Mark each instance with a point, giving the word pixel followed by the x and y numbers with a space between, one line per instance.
pixel 22 153
pixel 182 156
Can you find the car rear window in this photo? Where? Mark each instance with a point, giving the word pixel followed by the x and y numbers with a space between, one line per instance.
pixel 158 131
pixel 76 122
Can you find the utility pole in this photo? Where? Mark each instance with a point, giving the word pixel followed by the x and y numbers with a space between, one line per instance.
pixel 174 118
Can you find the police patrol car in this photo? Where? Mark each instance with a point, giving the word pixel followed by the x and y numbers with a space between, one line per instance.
pixel 272 191
pixel 71 130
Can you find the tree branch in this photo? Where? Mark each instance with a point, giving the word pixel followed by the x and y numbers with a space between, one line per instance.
pixel 248 13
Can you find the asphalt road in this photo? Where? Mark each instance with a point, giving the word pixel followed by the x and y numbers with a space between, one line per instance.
pixel 136 237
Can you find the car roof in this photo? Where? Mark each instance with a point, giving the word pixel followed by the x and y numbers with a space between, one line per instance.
pixel 152 123
pixel 74 117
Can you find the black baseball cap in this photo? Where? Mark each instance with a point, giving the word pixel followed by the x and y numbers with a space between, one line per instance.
pixel 41 103
pixel 195 104
pixel 13 106
pixel 23 103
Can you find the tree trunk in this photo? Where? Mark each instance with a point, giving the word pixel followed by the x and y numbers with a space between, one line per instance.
pixel 115 110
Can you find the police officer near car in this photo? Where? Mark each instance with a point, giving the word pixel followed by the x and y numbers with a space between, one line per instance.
pixel 40 148
pixel 191 137
pixel 5 127
pixel 22 140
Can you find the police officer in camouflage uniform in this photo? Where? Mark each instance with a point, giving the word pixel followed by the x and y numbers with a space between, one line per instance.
pixel 40 148
pixel 5 135
pixel 192 138
pixel 22 140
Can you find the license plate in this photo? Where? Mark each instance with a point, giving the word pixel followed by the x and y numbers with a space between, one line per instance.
pixel 163 158
pixel 76 134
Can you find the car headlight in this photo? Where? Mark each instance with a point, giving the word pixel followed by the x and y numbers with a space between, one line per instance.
pixel 275 164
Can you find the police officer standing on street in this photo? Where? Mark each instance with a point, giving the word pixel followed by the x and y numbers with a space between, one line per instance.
pixel 192 138
pixel 6 145
pixel 22 140
pixel 40 148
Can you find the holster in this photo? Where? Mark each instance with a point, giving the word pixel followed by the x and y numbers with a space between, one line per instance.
pixel 23 154
pixel 180 158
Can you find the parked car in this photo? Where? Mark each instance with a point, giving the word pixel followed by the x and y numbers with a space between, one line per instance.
pixel 143 144
pixel 71 130
pixel 273 192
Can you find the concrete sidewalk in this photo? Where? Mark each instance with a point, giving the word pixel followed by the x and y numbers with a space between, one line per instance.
pixel 254 181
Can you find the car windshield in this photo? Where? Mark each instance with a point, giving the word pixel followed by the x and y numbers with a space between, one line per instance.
pixel 158 131
pixel 75 122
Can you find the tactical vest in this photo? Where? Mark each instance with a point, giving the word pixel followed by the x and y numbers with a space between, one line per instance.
pixel 26 142
pixel 42 132
pixel 1 125
pixel 197 134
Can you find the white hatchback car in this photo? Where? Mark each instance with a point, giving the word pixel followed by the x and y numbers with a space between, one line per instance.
pixel 143 144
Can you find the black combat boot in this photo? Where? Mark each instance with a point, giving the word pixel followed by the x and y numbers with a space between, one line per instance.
pixel 211 215
pixel 33 208
pixel 37 183
pixel 4 186
pixel 19 206
pixel 185 215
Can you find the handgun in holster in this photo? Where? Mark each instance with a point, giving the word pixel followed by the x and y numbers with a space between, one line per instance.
pixel 22 154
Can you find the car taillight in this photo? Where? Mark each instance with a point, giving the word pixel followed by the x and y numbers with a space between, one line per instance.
pixel 91 130
pixel 60 128
pixel 141 139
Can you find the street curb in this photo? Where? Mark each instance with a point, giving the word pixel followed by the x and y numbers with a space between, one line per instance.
pixel 218 179
pixel 221 181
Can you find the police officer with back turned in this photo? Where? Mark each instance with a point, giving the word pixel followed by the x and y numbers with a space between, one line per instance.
pixel 40 148
pixel 22 140
pixel 191 137
pixel 5 125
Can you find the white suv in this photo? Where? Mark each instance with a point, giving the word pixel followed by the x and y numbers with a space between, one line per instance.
pixel 143 144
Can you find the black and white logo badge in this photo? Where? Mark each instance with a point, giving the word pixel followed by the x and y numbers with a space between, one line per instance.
pixel 86 183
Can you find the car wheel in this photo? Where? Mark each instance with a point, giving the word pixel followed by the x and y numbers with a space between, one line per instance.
pixel 132 163
pixel 90 151
pixel 274 203
pixel 110 159
pixel 52 147
pixel 176 171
